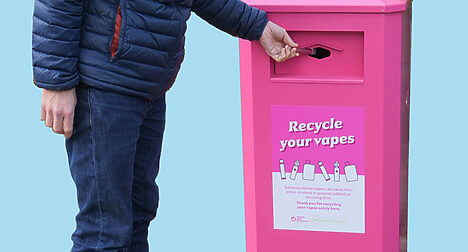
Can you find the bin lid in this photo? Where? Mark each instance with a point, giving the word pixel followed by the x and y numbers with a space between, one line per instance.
pixel 370 6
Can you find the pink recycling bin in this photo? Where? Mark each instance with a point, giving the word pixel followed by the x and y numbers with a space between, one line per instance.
pixel 325 134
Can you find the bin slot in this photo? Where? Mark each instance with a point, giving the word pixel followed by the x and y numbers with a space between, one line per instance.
pixel 337 58
pixel 320 53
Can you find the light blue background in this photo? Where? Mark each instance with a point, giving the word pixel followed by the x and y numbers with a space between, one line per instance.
pixel 198 210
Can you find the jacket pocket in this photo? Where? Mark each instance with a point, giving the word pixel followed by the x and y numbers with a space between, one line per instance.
pixel 115 44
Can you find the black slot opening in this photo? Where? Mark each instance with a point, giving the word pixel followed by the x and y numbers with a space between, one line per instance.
pixel 320 53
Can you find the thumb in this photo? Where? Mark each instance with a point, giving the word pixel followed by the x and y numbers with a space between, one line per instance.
pixel 288 40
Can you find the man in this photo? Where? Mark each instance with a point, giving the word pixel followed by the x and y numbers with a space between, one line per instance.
pixel 104 66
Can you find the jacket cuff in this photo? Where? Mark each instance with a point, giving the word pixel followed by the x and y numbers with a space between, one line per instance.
pixel 258 31
pixel 58 87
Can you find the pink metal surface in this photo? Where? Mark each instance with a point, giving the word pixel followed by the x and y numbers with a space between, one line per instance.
pixel 369 68
pixel 345 63
pixel 346 6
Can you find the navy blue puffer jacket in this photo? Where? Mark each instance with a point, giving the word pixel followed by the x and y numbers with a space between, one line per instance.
pixel 129 46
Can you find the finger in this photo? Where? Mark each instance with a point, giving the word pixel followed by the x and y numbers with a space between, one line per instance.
pixel 43 107
pixel 272 55
pixel 291 52
pixel 277 57
pixel 68 125
pixel 49 120
pixel 288 40
pixel 288 51
pixel 43 112
pixel 283 54
pixel 294 53
pixel 58 124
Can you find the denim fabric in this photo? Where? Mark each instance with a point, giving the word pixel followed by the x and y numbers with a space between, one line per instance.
pixel 114 159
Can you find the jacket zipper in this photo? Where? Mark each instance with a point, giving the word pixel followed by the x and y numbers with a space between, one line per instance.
pixel 117 29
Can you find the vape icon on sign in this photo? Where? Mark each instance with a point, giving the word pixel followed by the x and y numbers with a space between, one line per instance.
pixel 336 171
pixel 294 170
pixel 308 171
pixel 282 169
pixel 351 172
pixel 324 171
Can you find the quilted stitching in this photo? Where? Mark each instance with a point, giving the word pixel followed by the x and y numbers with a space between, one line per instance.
pixel 72 40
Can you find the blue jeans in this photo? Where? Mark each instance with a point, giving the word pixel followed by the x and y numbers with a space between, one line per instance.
pixel 114 160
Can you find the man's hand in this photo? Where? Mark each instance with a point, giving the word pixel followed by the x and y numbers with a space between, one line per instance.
pixel 277 43
pixel 58 109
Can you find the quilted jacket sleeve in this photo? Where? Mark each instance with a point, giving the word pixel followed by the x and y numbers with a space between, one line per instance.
pixel 55 43
pixel 232 16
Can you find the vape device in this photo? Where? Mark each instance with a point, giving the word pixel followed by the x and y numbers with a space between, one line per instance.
pixel 282 169
pixel 324 171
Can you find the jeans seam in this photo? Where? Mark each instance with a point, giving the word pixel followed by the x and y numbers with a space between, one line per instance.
pixel 149 106
pixel 151 103
pixel 93 150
